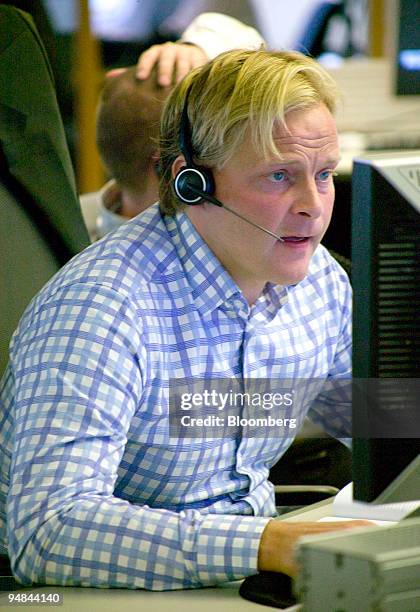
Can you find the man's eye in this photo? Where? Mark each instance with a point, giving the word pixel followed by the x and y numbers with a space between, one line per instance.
pixel 325 175
pixel 279 176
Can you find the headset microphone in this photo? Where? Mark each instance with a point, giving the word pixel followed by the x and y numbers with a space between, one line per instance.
pixel 194 183
pixel 213 200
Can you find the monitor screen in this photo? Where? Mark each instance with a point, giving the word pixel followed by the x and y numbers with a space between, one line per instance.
pixel 408 48
pixel 386 321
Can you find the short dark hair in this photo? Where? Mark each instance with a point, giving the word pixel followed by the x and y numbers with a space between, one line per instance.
pixel 127 125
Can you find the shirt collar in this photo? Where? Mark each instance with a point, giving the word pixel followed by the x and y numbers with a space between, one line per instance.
pixel 210 283
pixel 271 300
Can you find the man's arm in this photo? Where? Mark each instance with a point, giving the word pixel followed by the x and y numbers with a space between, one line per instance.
pixel 80 366
pixel 207 35
pixel 216 33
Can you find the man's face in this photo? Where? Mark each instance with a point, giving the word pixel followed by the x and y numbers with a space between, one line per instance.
pixel 291 196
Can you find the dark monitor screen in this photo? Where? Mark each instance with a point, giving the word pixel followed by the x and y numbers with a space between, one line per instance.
pixel 408 48
pixel 386 320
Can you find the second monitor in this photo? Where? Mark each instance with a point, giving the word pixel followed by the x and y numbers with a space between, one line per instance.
pixel 386 337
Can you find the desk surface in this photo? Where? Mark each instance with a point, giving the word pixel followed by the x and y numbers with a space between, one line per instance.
pixel 216 599
pixel 224 598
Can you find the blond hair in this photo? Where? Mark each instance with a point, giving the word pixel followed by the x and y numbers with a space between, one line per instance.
pixel 236 92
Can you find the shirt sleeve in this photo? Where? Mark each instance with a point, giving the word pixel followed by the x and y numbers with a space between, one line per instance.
pixel 331 410
pixel 79 368
pixel 216 33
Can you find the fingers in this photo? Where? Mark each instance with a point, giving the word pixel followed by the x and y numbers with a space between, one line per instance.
pixel 168 63
pixel 324 526
pixel 114 72
pixel 171 59
pixel 147 60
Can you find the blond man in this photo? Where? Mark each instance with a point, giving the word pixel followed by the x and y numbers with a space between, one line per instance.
pixel 113 490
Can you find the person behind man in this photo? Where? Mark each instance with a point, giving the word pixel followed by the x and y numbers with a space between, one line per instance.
pixel 127 125
pixel 100 491
pixel 127 129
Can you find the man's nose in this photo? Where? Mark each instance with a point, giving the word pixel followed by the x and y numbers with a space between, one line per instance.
pixel 308 201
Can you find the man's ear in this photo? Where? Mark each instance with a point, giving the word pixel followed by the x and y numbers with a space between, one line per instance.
pixel 178 164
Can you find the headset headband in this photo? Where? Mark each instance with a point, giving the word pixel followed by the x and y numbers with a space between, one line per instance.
pixel 185 135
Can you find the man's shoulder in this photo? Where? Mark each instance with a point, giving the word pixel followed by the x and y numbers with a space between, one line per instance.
pixel 123 261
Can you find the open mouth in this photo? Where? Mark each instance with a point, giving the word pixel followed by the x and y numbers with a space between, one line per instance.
pixel 295 238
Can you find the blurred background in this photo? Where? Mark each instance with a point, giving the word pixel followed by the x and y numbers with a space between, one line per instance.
pixel 85 38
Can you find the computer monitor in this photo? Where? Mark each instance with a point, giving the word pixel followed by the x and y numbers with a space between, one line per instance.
pixel 408 48
pixel 386 322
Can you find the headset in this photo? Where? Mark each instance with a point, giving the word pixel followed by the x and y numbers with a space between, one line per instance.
pixel 191 177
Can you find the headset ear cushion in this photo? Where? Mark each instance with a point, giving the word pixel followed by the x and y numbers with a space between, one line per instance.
pixel 198 177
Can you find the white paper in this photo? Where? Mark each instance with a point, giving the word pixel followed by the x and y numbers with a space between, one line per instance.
pixel 344 506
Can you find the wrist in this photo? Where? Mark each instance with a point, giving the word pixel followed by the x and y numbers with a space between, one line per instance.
pixel 277 549
pixel 198 47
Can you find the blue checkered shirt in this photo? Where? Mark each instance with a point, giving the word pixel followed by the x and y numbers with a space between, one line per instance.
pixel 98 493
